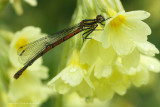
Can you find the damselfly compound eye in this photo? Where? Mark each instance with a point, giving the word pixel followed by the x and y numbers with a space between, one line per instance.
pixel 100 18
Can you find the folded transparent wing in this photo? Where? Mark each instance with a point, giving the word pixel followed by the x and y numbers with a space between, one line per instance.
pixel 29 51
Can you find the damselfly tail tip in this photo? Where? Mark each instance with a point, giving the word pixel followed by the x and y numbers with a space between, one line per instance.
pixel 17 75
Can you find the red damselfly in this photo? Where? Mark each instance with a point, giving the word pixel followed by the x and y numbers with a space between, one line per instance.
pixel 30 52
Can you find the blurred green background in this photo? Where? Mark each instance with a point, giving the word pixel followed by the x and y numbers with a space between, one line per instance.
pixel 54 15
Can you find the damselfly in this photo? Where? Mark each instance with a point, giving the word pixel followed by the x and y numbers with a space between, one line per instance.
pixel 32 51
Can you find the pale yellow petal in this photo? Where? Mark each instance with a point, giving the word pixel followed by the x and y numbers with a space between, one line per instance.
pixel 131 71
pixel 136 30
pixel 151 63
pixel 72 75
pixel 20 91
pixel 103 90
pixel 102 70
pixel 147 48
pixel 122 87
pixel 140 78
pixel 105 36
pixel 84 90
pixel 138 15
pixel 116 76
pixel 60 86
pixel 89 52
pixel 121 42
pixel 131 60
pixel 107 55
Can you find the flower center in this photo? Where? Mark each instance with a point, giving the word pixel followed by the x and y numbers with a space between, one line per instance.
pixel 21 41
pixel 117 21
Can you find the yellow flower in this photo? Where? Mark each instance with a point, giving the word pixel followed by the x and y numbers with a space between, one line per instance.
pixel 21 38
pixel 29 87
pixel 73 77
pixel 125 31
pixel 27 35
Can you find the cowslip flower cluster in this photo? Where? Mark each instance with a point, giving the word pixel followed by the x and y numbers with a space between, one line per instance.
pixel 114 59
pixel 29 90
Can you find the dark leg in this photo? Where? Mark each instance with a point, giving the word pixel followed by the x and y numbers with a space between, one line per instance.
pixel 89 32
pixel 93 29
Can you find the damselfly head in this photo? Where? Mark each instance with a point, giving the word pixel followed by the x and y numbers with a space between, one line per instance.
pixel 100 19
